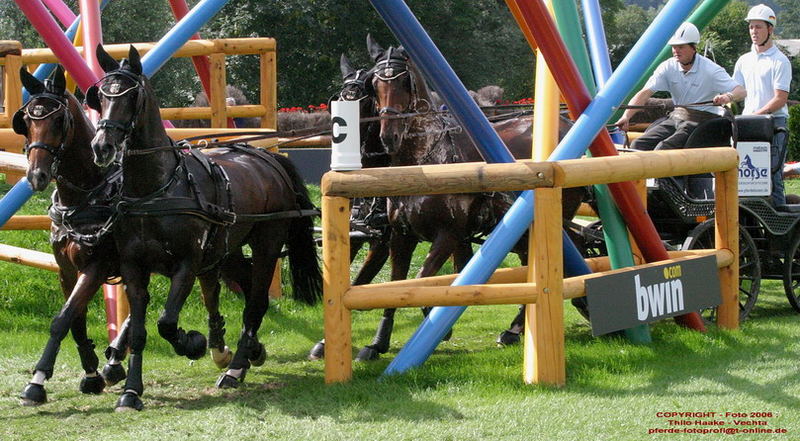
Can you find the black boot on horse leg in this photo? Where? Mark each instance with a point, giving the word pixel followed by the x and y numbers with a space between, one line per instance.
pixel 191 344
pixel 113 371
pixel 221 355
pixel 511 336
pixel 72 316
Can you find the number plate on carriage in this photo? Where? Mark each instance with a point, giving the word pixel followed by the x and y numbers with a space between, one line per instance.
pixel 754 165
pixel 631 298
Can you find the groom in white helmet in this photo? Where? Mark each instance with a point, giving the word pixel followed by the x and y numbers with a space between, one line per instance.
pixel 690 78
pixel 766 73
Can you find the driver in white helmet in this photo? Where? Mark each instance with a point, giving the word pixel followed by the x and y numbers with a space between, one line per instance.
pixel 765 73
pixel 690 78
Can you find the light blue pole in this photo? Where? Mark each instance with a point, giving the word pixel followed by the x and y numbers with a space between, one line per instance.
pixel 598 49
pixel 589 124
pixel 44 70
pixel 14 199
pixel 180 34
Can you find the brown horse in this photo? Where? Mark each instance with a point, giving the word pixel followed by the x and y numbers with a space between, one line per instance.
pixel 187 215
pixel 449 222
pixel 57 136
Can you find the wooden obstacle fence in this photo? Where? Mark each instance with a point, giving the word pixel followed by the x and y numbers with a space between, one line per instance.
pixel 541 286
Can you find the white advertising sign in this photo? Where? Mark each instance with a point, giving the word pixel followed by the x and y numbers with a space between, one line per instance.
pixel 754 167
pixel 345 136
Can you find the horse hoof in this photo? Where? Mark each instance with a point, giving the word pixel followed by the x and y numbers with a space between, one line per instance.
pixel 92 385
pixel 261 356
pixel 226 381
pixel 129 401
pixel 317 352
pixel 195 345
pixel 367 353
pixel 508 338
pixel 222 358
pixel 447 336
pixel 33 395
pixel 113 374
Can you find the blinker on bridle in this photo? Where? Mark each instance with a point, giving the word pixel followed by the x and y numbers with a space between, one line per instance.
pixel 114 90
pixel 39 112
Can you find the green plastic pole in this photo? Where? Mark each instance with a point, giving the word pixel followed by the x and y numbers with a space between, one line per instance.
pixel 614 231
pixel 701 17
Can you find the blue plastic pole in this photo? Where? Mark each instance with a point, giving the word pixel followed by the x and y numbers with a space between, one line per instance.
pixel 588 125
pixel 180 34
pixel 14 199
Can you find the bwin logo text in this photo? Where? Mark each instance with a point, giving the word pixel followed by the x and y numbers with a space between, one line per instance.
pixel 658 299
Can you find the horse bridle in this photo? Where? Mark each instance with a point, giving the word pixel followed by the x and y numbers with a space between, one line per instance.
pixel 114 92
pixel 38 113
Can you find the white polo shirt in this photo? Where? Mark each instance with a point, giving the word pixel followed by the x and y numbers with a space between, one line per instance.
pixel 701 83
pixel 761 74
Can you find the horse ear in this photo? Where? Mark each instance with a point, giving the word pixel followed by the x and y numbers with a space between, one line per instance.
pixel 30 82
pixel 345 66
pixel 93 98
pixel 375 50
pixel 18 123
pixel 135 60
pixel 107 62
pixel 59 84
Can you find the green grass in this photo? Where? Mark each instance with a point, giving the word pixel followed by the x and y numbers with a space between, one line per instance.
pixel 469 389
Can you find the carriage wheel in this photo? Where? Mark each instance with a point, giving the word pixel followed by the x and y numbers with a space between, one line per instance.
pixel 791 273
pixel 749 267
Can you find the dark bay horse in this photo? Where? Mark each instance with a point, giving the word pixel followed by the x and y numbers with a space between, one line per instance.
pixel 187 215
pixel 57 137
pixel 449 222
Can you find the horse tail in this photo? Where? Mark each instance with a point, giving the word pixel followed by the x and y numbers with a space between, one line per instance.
pixel 302 248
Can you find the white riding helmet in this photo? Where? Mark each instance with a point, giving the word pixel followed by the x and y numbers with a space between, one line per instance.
pixel 687 33
pixel 761 12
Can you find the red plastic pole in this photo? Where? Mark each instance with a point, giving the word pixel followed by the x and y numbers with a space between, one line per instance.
pixel 540 24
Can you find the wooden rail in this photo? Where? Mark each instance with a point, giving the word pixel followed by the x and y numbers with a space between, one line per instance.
pixel 12 57
pixel 547 289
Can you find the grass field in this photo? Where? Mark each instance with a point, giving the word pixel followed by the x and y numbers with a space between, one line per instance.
pixel 469 389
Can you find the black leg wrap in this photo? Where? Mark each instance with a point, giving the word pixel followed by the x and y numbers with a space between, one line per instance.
pixel 216 332
pixel 194 343
pixel 129 401
pixel 92 385
pixel 225 381
pixel 318 351
pixel 508 338
pixel 259 355
pixel 33 395
pixel 113 374
pixel 133 383
pixel 89 359
pixel 383 337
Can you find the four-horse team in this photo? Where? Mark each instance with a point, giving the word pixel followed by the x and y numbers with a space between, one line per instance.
pixel 130 201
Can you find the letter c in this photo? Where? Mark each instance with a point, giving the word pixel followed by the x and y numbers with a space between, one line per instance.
pixel 342 123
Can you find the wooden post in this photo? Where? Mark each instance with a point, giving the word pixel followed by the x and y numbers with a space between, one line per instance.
pixel 269 89
pixel 13 99
pixel 726 222
pixel 219 113
pixel 544 321
pixel 335 282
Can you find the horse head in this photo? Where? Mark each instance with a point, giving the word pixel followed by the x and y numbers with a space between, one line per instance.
pixel 47 123
pixel 120 98
pixel 357 86
pixel 399 89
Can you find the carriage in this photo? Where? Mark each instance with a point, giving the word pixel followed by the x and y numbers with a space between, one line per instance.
pixel 682 209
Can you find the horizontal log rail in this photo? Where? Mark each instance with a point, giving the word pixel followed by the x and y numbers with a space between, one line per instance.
pixel 217 112
pixel 514 291
pixel 476 177
pixel 36 259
